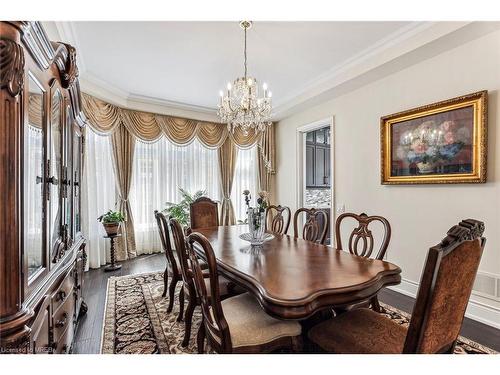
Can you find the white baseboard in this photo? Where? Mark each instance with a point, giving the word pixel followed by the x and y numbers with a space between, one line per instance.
pixel 475 310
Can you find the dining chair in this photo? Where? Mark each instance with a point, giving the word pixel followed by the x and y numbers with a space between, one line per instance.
pixel 237 324
pixel 172 266
pixel 204 213
pixel 313 229
pixel 362 235
pixel 188 288
pixel 444 291
pixel 278 224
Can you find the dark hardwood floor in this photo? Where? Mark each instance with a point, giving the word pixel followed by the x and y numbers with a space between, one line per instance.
pixel 89 332
pixel 88 336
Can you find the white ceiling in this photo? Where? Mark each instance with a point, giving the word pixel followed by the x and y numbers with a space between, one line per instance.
pixel 189 62
pixel 179 67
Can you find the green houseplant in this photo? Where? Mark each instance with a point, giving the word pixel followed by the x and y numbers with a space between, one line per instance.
pixel 111 221
pixel 180 211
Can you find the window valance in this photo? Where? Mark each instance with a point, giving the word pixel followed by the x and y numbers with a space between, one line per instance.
pixel 149 127
pixel 105 118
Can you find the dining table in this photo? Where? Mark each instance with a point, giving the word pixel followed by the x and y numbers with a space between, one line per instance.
pixel 293 278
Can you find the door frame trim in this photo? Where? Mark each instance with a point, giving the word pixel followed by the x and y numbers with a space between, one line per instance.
pixel 301 165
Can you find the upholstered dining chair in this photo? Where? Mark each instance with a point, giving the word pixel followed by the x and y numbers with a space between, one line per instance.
pixel 313 230
pixel 204 213
pixel 362 243
pixel 237 324
pixel 445 288
pixel 188 288
pixel 278 223
pixel 172 266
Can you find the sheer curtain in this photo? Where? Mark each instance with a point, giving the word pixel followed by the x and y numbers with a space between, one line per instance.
pixel 245 178
pixel 98 195
pixel 159 170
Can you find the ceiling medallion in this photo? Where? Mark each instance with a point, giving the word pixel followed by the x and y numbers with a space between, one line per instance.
pixel 241 105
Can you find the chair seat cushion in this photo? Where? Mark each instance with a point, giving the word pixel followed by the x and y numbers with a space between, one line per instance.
pixel 359 331
pixel 249 325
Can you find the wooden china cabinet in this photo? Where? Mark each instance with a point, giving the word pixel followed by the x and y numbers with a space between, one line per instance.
pixel 42 250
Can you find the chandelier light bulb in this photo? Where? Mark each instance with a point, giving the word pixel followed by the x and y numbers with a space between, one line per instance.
pixel 229 86
pixel 264 86
pixel 250 81
pixel 269 94
pixel 221 94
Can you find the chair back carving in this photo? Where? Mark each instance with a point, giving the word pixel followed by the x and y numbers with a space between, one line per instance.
pixel 278 223
pixel 445 288
pixel 204 213
pixel 312 230
pixel 161 221
pixel 216 327
pixel 180 246
pixel 361 240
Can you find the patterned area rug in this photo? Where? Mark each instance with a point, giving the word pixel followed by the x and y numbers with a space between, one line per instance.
pixel 136 320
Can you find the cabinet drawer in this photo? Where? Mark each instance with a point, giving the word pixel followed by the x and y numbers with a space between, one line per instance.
pixel 64 292
pixel 64 343
pixel 63 317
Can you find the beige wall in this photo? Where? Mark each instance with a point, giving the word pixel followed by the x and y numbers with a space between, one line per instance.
pixel 419 215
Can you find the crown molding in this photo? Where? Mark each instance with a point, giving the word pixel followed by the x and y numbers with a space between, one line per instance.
pixel 393 46
pixel 420 43
pixel 97 87
pixel 375 62
pixel 169 103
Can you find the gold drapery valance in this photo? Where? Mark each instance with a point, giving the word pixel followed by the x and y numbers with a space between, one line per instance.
pixel 102 117
pixel 105 118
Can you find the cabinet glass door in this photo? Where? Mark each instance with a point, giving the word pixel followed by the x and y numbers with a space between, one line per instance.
pixel 55 170
pixel 67 178
pixel 33 184
pixel 77 161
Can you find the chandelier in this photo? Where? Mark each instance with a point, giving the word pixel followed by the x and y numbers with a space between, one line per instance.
pixel 241 105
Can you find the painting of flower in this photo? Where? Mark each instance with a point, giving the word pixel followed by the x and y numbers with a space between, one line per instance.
pixel 437 142
pixel 432 144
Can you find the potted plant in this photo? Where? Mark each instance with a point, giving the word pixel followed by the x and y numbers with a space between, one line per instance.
pixel 180 211
pixel 111 222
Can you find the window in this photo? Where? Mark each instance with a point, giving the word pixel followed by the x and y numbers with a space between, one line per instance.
pixel 159 170
pixel 245 178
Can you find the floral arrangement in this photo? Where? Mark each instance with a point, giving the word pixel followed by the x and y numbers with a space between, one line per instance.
pixel 431 143
pixel 256 215
pixel 261 201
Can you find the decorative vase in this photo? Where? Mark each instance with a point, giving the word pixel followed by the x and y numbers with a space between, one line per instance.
pixel 426 168
pixel 257 224
pixel 111 228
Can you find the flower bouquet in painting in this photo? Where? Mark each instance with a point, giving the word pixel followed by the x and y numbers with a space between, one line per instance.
pixel 432 144
pixel 256 218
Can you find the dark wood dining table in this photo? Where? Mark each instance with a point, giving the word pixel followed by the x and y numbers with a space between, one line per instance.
pixel 293 278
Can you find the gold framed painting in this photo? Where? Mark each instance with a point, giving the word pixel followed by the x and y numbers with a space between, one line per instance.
pixel 439 143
